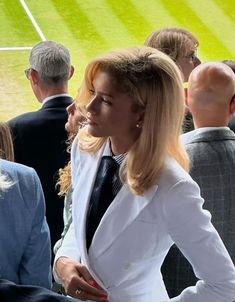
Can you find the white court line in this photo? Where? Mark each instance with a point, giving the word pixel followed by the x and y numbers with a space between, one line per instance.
pixel 16 48
pixel 38 29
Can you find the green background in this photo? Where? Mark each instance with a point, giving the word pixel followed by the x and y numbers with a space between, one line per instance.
pixel 90 27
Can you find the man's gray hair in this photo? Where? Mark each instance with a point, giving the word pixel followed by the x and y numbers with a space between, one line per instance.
pixel 52 62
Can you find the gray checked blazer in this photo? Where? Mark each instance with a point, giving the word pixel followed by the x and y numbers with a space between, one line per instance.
pixel 212 166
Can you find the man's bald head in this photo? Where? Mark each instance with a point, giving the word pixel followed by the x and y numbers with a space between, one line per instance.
pixel 211 88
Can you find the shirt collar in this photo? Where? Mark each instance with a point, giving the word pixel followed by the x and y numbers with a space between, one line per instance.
pixel 118 158
pixel 54 96
pixel 205 129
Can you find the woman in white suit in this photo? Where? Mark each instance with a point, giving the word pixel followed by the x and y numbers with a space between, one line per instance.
pixel 134 108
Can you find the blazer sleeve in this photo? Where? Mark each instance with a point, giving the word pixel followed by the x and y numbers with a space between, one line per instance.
pixel 68 249
pixel 36 262
pixel 189 226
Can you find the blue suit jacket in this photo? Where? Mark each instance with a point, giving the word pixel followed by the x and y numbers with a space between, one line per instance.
pixel 11 292
pixel 24 235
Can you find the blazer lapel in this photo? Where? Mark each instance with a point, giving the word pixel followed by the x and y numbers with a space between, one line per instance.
pixel 122 212
pixel 88 169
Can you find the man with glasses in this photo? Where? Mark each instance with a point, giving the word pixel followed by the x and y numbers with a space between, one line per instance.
pixel 181 46
pixel 39 136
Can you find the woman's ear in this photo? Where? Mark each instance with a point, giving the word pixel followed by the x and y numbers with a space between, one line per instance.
pixel 140 119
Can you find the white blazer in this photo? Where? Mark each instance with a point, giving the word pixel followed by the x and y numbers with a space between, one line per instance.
pixel 136 232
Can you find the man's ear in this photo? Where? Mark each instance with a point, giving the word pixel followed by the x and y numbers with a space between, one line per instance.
pixel 71 72
pixel 34 76
pixel 232 105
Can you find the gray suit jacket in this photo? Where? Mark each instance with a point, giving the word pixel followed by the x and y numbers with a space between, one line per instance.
pixel 212 166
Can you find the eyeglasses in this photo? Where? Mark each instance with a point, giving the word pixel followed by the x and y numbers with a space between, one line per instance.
pixel 192 55
pixel 27 72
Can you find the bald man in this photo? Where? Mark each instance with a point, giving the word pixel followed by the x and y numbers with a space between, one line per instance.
pixel 231 64
pixel 211 149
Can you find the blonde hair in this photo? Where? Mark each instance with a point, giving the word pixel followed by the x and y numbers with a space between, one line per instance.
pixel 64 179
pixel 6 144
pixel 173 41
pixel 154 82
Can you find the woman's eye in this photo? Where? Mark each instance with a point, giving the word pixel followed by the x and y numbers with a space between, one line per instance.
pixel 92 92
pixel 106 101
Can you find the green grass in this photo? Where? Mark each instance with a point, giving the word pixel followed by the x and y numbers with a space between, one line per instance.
pixel 90 27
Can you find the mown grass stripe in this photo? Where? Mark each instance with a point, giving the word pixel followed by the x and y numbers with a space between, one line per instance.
pixel 137 25
pixel 83 31
pixel 15 28
pixel 221 25
pixel 156 14
pixel 228 7
pixel 107 24
pixel 54 27
pixel 199 28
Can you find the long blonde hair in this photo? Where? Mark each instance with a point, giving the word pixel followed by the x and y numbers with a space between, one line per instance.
pixel 154 82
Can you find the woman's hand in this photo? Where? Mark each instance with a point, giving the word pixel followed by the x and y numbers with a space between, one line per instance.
pixel 78 282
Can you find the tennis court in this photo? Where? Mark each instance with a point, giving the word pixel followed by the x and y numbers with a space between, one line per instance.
pixel 91 27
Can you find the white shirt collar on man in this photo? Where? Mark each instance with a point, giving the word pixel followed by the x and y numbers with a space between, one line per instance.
pixel 187 137
pixel 53 96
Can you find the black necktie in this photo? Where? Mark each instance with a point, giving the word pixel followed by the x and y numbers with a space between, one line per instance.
pixel 106 186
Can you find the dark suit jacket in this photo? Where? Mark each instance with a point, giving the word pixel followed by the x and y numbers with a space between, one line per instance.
pixel 212 166
pixel 10 292
pixel 40 142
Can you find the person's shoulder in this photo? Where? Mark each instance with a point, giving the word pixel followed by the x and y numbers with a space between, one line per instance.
pixel 25 186
pixel 187 137
pixel 16 170
pixel 172 174
pixel 23 118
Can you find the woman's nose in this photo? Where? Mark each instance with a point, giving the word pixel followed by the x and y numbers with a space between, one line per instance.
pixel 71 108
pixel 92 105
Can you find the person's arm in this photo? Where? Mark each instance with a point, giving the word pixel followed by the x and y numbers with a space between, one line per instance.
pixel 68 249
pixel 35 267
pixel 191 229
pixel 69 271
